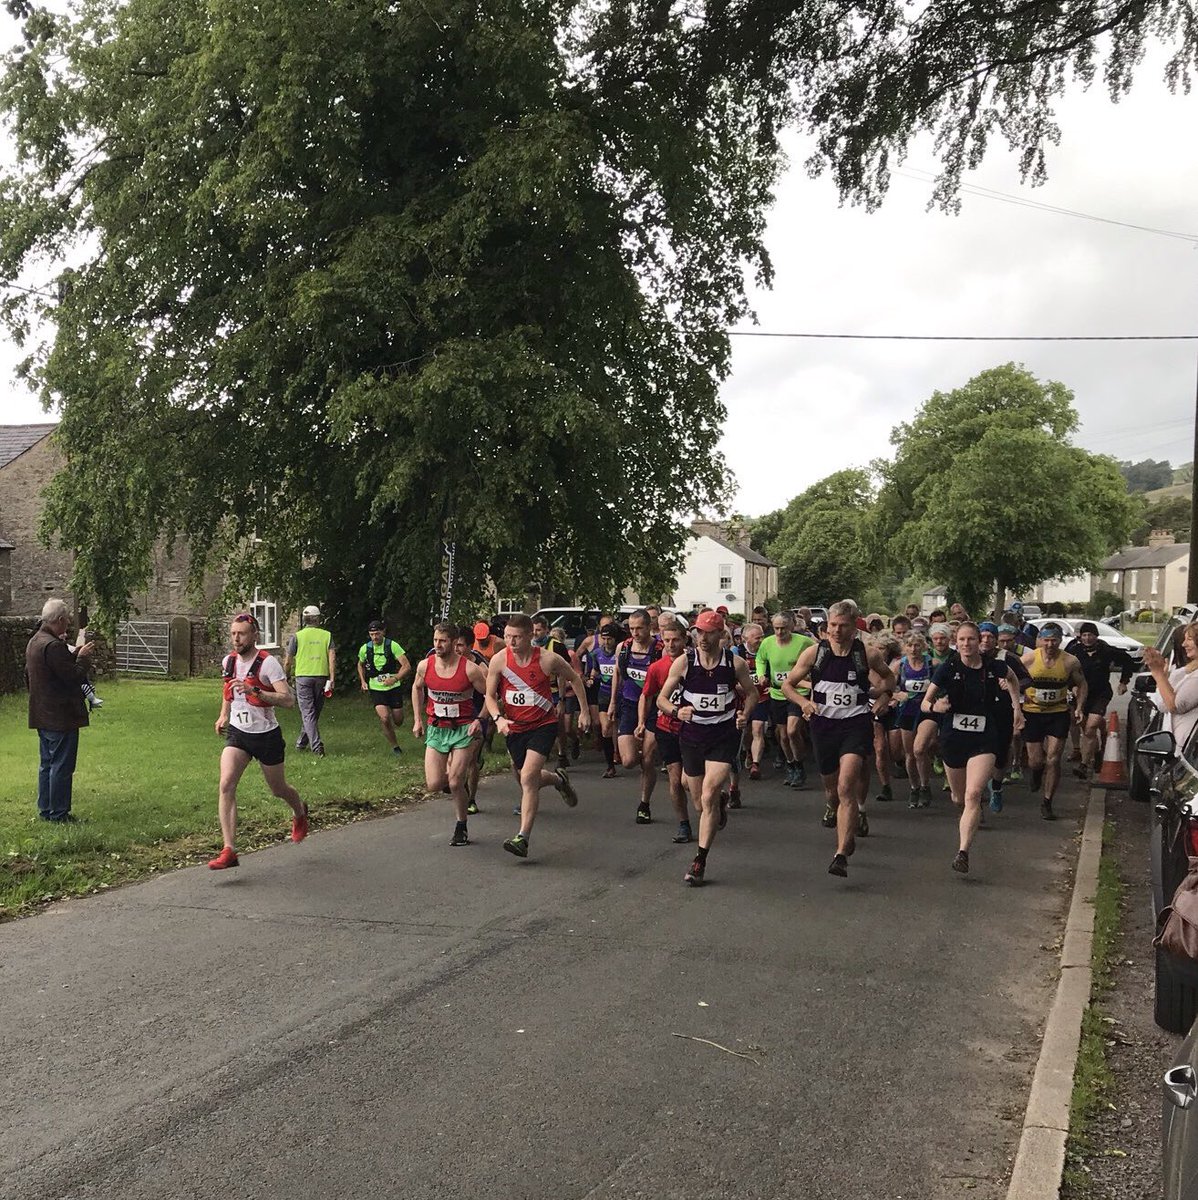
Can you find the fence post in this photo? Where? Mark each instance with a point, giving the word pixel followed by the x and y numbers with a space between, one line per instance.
pixel 180 646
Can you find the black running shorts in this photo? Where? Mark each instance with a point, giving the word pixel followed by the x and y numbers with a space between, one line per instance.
pixel 831 745
pixel 268 748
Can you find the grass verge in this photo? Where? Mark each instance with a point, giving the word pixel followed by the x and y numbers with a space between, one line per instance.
pixel 1092 1078
pixel 146 781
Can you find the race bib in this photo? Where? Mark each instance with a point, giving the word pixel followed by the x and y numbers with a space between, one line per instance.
pixel 637 675
pixel 516 699
pixel 969 722
pixel 841 697
pixel 709 703
pixel 243 716
pixel 1048 695
pixel 779 676
pixel 445 710
pixel 916 687
pixel 606 671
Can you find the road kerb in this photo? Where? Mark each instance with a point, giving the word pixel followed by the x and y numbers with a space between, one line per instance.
pixel 1040 1159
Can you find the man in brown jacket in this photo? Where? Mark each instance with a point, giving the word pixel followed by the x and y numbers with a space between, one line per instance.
pixel 56 708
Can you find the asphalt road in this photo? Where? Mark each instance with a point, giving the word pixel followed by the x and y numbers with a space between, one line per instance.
pixel 373 1013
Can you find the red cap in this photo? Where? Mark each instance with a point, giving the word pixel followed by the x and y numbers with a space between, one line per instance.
pixel 482 631
pixel 723 608
pixel 710 622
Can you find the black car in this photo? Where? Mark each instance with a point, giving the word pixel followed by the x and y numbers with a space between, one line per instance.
pixel 1142 714
pixel 1174 841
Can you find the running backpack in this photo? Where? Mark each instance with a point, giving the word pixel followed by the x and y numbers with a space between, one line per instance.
pixel 228 671
pixel 625 653
pixel 857 654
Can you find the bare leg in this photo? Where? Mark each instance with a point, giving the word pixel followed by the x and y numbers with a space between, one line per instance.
pixel 853 779
pixel 757 751
pixel 457 778
pixel 233 763
pixel 714 780
pixel 532 778
pixel 678 793
pixel 974 776
pixel 1054 752
pixel 388 724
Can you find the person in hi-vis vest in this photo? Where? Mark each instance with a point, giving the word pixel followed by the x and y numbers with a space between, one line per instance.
pixel 311 653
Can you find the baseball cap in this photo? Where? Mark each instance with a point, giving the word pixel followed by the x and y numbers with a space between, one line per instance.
pixel 482 630
pixel 1017 606
pixel 311 611
pixel 611 631
pixel 710 622
pixel 987 627
pixel 375 624
pixel 722 609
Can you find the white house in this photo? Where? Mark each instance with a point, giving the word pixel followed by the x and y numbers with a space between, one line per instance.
pixel 719 566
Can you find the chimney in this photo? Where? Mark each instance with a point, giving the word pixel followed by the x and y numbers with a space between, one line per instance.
pixel 1160 537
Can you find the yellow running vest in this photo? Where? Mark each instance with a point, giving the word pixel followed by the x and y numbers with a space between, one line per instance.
pixel 1050 685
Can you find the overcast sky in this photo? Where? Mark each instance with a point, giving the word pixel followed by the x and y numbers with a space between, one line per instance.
pixel 798 409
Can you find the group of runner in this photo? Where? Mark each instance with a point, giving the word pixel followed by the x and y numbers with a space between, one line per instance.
pixel 696 698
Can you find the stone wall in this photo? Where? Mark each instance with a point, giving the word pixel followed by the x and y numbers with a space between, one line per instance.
pixel 35 573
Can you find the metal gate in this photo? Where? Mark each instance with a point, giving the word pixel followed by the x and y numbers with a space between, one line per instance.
pixel 143 647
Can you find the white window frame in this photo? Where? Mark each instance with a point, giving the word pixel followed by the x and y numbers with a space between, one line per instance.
pixel 505 604
pixel 266 613
pixel 1131 581
pixel 1156 580
pixel 724 571
pixel 1115 576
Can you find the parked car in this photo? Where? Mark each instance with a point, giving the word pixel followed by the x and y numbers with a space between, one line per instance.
pixel 1032 612
pixel 576 621
pixel 1142 714
pixel 1179 1123
pixel 1112 637
pixel 1173 841
pixel 818 612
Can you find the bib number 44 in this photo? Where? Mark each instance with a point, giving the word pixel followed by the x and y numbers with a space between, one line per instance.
pixel 969 722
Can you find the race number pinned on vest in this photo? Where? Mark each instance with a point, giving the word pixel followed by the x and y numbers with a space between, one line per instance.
pixel 446 711
pixel 969 722
pixel 517 699
pixel 1048 695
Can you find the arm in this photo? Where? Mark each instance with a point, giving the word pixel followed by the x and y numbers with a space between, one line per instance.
pixel 494 675
pixel 280 697
pixel 615 687
pixel 1012 682
pixel 418 699
pixel 332 664
pixel 289 654
pixel 1077 678
pixel 362 670
pixel 883 680
pixel 1127 668
pixel 800 671
pixel 222 720
pixel 478 681
pixel 405 668
pixel 744 682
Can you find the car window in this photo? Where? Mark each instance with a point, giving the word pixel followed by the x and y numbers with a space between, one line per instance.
pixel 1190 750
pixel 1164 643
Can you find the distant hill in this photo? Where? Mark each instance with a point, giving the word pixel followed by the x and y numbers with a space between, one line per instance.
pixel 1172 492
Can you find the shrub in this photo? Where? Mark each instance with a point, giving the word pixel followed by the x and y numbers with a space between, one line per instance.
pixel 1146 616
pixel 1101 601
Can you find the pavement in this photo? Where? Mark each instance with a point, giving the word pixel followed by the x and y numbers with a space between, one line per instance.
pixel 372 1013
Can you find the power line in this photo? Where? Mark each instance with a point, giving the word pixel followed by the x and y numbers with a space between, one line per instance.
pixel 922 176
pixel 946 337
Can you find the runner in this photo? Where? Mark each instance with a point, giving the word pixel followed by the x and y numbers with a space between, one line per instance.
pixel 1005 736
pixel 1098 660
pixel 632 665
pixel 840 714
pixel 522 675
pixel 776 658
pixel 704 690
pixel 914 672
pixel 1025 633
pixel 885 723
pixel 966 691
pixel 544 638
pixel 758 709
pixel 443 694
pixel 382 667
pixel 927 733
pixel 602 674
pixel 1009 645
pixel 254 686
pixel 1046 710
pixel 664 729
pixel 464 644
pixel 567 706
pixel 485 642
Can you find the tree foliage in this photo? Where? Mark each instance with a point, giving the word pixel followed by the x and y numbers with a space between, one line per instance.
pixel 1146 475
pixel 349 279
pixel 1172 514
pixel 821 540
pixel 985 486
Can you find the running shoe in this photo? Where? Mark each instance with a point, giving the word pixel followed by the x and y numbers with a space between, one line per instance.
pixel 734 798
pixel 610 773
pixel 839 866
pixel 517 811
pixel 565 788
pixel 472 809
pixel 517 845
pixel 961 862
pixel 995 799
pixel 684 832
pixel 828 820
pixel 562 762
pixel 723 810
pixel 575 747
pixel 926 801
pixel 800 776
pixel 695 875
pixel 754 771
pixel 459 837
pixel 225 859
pixel 95 702
pixel 1082 772
pixel 937 766
pixel 1046 810
pixel 1014 775
pixel 643 815
pixel 779 763
pixel 916 798
pixel 862 825
pixel 885 794
pixel 302 743
pixel 396 750
pixel 299 826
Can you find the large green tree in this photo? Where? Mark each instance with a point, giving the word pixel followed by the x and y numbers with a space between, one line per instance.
pixel 985 491
pixel 348 279
pixel 822 540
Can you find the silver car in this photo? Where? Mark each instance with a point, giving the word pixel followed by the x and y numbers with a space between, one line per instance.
pixel 1179 1124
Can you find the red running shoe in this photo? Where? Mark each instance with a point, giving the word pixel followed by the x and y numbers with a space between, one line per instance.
pixel 299 826
pixel 225 859
pixel 754 771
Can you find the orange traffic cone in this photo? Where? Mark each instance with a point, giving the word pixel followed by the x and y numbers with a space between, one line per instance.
pixel 1113 773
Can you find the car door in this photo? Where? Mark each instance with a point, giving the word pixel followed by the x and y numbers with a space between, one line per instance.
pixel 1179 1132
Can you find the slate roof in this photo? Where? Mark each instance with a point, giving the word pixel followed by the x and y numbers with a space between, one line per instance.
pixel 1137 557
pixel 744 552
pixel 16 439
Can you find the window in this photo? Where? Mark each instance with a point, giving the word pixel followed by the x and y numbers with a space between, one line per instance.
pixel 1156 580
pixel 509 604
pixel 725 577
pixel 266 613
pixel 1115 576
pixel 1131 581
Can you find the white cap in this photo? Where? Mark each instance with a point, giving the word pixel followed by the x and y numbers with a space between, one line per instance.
pixel 311 611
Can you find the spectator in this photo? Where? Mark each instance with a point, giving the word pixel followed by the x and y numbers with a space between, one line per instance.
pixel 57 709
